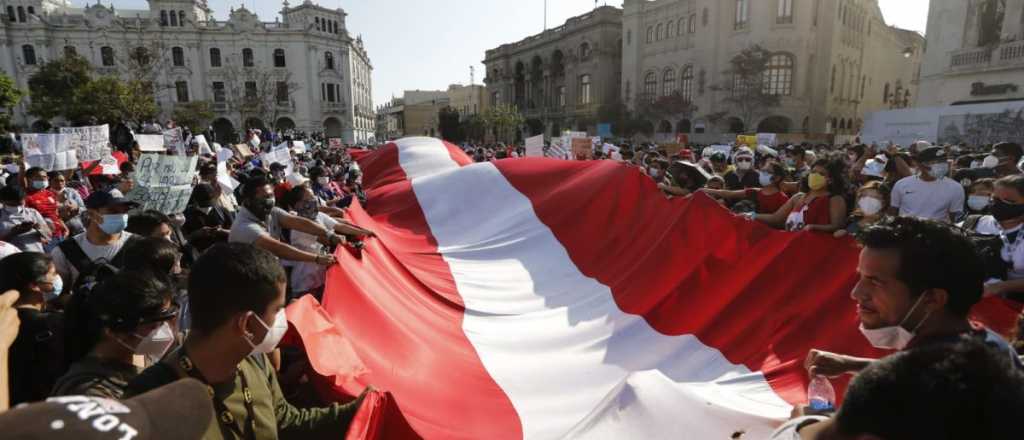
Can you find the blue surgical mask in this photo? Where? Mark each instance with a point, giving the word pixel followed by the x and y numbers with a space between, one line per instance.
pixel 114 223
pixel 58 286
pixel 40 184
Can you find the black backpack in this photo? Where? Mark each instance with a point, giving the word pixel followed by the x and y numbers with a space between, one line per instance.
pixel 91 272
pixel 990 248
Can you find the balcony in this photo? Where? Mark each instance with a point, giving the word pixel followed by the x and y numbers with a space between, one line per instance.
pixel 1010 54
pixel 332 107
pixel 219 107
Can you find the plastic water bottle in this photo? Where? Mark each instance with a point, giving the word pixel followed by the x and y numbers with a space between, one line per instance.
pixel 821 395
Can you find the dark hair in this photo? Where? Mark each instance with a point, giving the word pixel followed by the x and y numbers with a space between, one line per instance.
pixel 1018 335
pixel 1014 181
pixel 232 278
pixel 932 256
pixel 127 167
pixel 19 270
pixel 151 254
pixel 12 193
pixel 987 182
pixel 120 303
pixel 202 194
pixel 252 186
pixel 778 171
pixel 1010 149
pixel 32 172
pixel 315 172
pixel 208 169
pixel 936 392
pixel 147 222
pixel 292 197
pixel 836 170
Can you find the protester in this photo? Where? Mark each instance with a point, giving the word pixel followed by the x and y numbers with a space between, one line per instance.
pixel 205 222
pixel 1005 222
pixel 69 203
pixel 129 314
pixel 237 294
pixel 930 194
pixel 744 176
pixel 150 224
pixel 979 196
pixel 20 225
pixel 822 208
pixel 37 356
pixel 106 219
pixel 40 198
pixel 872 201
pixel 796 162
pixel 918 282
pixel 768 198
pixel 221 199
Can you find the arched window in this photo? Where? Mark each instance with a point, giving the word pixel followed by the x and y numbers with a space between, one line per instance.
pixel 163 18
pixel 31 10
pixel 778 76
pixel 279 60
pixel 650 34
pixel 28 54
pixel 679 27
pixel 584 94
pixel 214 57
pixel 107 56
pixel 668 83
pixel 686 89
pixel 247 58
pixel 650 87
pixel 658 32
pixel 181 18
pixel 178 56
pixel 329 62
pixel 585 51
pixel 174 19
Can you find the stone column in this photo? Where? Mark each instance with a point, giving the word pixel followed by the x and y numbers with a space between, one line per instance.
pixel 1013 23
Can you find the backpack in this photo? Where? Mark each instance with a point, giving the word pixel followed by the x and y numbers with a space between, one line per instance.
pixel 91 272
pixel 989 247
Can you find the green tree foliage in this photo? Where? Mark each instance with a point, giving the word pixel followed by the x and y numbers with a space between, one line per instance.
pixel 53 88
pixel 195 115
pixel 474 128
pixel 504 120
pixel 449 126
pixel 10 96
pixel 745 87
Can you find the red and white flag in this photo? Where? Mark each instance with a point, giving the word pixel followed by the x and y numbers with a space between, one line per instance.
pixel 545 299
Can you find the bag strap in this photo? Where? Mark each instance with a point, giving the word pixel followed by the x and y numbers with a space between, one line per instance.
pixel 971 223
pixel 75 255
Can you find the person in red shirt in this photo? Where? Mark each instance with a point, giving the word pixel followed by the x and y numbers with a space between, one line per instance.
pixel 769 197
pixel 39 197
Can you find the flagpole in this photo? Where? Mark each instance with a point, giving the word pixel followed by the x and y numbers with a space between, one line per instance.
pixel 545 14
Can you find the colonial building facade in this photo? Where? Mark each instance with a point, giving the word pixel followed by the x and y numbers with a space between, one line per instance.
pixel 975 52
pixel 831 61
pixel 319 77
pixel 560 78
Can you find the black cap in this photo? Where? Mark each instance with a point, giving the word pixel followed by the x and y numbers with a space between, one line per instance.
pixel 931 154
pixel 104 199
pixel 181 410
pixel 276 166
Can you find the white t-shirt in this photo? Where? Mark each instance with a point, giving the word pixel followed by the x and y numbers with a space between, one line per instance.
pixel 934 200
pixel 7 249
pixel 1013 253
pixel 95 252
pixel 307 276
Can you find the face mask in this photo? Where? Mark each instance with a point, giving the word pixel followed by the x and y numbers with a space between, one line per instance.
pixel 114 224
pixel 990 162
pixel 765 179
pixel 653 172
pixel 156 343
pixel 1003 211
pixel 869 205
pixel 274 334
pixel 816 181
pixel 978 203
pixel 790 162
pixel 40 184
pixel 204 209
pixel 895 337
pixel 745 165
pixel 939 170
pixel 11 168
pixel 58 286
pixel 307 210
pixel 323 181
pixel 262 207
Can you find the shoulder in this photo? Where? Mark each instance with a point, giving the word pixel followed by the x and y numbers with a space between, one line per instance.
pixel 909 180
pixel 154 377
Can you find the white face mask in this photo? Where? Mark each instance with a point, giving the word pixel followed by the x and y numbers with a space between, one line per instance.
pixel 155 344
pixel 939 170
pixel 869 205
pixel 323 181
pixel 895 337
pixel 744 165
pixel 990 162
pixel 765 179
pixel 653 172
pixel 274 333
pixel 978 203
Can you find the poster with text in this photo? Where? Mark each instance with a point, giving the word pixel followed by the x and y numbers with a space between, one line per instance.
pixel 49 151
pixel 164 183
pixel 150 142
pixel 535 146
pixel 90 143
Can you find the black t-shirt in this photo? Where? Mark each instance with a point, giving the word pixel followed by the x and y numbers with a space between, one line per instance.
pixel 37 356
pixel 733 182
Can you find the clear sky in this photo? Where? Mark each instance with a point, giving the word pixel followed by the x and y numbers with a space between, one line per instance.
pixel 429 44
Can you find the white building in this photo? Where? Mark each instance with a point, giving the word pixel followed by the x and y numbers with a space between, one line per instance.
pixel 319 76
pixel 975 53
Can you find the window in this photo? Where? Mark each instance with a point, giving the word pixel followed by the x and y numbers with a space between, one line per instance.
pixel 331 96
pixel 650 34
pixel 250 90
pixel 10 14
pixel 560 96
pixel 335 27
pixel 885 94
pixel 650 87
pixel 316 22
pixel 585 51
pixel 21 14
pixel 832 83
pixel 629 37
pixel 247 58
pixel 687 85
pixel 279 60
pixel 282 92
pixel 70 51
pixel 214 57
pixel 585 89
pixel 778 76
pixel 28 53
pixel 178 56
pixel 785 15
pixel 163 18
pixel 31 10
pixel 219 94
pixel 742 13
pixel 107 56
pixel 329 61
pixel 693 23
pixel 668 83
pixel 679 26
pixel 181 18
pixel 658 32
pixel 182 88
pixel 174 19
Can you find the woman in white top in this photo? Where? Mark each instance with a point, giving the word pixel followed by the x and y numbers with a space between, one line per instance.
pixel 1006 221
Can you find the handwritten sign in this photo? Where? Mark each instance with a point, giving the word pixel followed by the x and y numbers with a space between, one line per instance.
pixel 150 142
pixel 51 152
pixel 164 183
pixel 299 147
pixel 173 139
pixel 243 150
pixel 535 146
pixel 768 139
pixel 278 155
pixel 90 143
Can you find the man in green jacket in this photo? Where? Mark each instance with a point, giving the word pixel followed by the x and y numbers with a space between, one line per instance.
pixel 237 298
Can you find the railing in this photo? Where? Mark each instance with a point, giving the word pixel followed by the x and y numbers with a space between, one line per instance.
pixel 1006 54
pixel 969 58
pixel 332 107
pixel 220 106
pixel 1012 52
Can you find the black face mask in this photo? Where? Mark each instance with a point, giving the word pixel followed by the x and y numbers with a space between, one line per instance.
pixel 261 207
pixel 1003 211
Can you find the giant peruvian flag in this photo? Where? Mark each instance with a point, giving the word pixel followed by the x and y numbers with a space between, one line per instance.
pixel 544 299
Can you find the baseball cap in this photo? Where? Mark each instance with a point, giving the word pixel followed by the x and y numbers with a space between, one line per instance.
pixel 104 199
pixel 181 410
pixel 931 154
pixel 276 166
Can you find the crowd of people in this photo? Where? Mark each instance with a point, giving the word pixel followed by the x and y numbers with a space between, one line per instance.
pixel 103 299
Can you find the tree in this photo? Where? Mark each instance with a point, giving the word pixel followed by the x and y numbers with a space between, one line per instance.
pixel 100 100
pixel 504 120
pixel 195 115
pixel 52 89
pixel 449 126
pixel 10 96
pixel 746 85
pixel 474 128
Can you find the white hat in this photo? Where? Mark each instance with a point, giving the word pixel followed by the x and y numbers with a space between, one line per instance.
pixel 874 168
pixel 296 179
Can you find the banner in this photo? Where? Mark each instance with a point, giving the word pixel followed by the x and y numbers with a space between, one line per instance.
pixel 767 139
pixel 50 151
pixel 164 183
pixel 92 143
pixel 535 146
pixel 150 142
pixel 750 141
pixel 604 130
pixel 173 140
pixel 299 147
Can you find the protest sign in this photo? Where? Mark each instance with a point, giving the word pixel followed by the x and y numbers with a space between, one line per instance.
pixel 582 148
pixel 224 178
pixel 556 150
pixel 90 143
pixel 174 140
pixel 535 146
pixel 278 155
pixel 109 166
pixel 750 141
pixel 164 183
pixel 768 139
pixel 243 150
pixel 204 146
pixel 672 149
pixel 224 154
pixel 727 149
pixel 50 152
pixel 150 142
pixel 299 147
pixel 335 143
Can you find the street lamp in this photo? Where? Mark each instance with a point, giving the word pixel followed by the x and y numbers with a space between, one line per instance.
pixel 908 52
